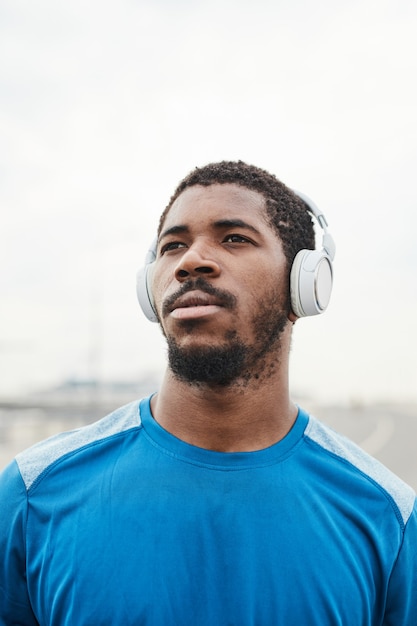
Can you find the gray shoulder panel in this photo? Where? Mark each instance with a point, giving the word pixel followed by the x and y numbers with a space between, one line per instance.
pixel 401 493
pixel 33 461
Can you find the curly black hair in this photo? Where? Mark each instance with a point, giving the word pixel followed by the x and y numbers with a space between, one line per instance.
pixel 286 212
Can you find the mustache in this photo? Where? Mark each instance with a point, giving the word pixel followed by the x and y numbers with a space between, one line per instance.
pixel 225 298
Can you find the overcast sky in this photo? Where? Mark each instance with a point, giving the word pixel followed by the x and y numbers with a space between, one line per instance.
pixel 105 106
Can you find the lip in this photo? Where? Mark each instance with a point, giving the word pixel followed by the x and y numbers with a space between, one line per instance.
pixel 195 304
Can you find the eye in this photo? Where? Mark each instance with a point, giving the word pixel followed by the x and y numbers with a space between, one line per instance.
pixel 232 238
pixel 171 245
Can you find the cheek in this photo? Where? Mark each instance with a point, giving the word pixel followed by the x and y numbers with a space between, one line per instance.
pixel 158 287
pixel 270 290
pixel 162 287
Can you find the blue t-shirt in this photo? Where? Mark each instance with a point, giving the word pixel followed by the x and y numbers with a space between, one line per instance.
pixel 121 523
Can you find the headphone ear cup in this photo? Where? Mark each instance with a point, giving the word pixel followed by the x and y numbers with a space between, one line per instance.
pixel 311 282
pixel 144 284
pixel 144 292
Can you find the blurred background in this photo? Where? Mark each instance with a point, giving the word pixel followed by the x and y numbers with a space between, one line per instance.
pixel 105 106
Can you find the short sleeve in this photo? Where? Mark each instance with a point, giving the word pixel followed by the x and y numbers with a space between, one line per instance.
pixel 15 605
pixel 401 607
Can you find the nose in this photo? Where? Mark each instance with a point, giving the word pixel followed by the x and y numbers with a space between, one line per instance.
pixel 196 261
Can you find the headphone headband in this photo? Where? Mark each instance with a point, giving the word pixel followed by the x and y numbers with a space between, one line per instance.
pixel 327 242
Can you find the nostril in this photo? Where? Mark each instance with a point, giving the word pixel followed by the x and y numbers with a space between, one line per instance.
pixel 187 268
pixel 204 270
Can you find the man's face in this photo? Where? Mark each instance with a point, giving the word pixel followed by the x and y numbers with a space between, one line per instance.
pixel 220 284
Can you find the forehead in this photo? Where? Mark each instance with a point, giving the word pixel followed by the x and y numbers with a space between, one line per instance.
pixel 215 201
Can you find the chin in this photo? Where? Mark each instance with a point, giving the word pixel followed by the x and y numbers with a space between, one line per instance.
pixel 207 363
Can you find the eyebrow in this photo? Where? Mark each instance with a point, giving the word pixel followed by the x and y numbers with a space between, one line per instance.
pixel 235 223
pixel 174 230
pixel 219 224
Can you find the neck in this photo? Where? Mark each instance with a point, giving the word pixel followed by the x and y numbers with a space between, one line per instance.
pixel 236 418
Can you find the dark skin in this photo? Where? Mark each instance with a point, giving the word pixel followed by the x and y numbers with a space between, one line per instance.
pixel 221 232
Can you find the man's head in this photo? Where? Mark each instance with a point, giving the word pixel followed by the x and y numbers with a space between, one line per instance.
pixel 285 211
pixel 221 276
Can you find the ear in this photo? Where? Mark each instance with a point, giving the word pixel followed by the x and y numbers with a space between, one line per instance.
pixel 292 317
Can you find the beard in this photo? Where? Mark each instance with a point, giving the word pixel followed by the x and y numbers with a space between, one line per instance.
pixel 212 365
pixel 234 362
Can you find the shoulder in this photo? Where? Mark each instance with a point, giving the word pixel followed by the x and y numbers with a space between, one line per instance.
pixel 36 459
pixel 401 495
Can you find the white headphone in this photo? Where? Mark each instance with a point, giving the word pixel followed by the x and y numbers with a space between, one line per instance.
pixel 143 284
pixel 311 276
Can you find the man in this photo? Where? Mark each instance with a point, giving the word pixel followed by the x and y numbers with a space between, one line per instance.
pixel 217 501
